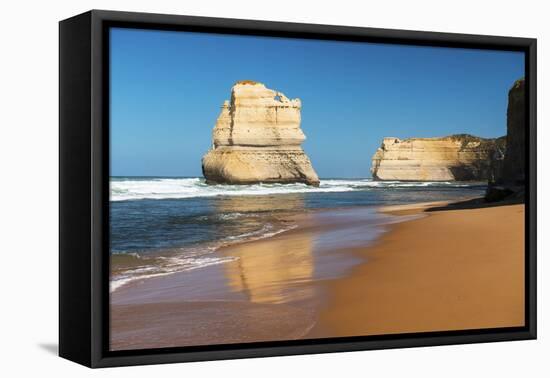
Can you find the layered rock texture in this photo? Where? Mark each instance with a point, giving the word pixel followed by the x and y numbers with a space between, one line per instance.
pixel 509 175
pixel 257 138
pixel 453 158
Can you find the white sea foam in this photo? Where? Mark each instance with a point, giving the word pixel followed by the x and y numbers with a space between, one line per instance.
pixel 172 265
pixel 186 259
pixel 176 188
pixel 263 233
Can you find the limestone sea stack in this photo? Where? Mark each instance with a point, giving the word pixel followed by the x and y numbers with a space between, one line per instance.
pixel 509 175
pixel 513 168
pixel 460 157
pixel 257 139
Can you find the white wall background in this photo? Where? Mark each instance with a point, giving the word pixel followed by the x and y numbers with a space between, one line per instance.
pixel 29 174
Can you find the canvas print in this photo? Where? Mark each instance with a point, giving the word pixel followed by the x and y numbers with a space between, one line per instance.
pixel 272 189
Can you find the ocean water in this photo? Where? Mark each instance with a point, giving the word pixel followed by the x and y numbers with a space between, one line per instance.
pixel 162 225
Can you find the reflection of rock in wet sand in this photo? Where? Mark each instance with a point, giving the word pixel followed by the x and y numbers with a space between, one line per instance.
pixel 267 289
pixel 271 271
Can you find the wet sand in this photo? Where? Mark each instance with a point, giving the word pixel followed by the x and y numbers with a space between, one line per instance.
pixel 270 290
pixel 452 270
pixel 334 275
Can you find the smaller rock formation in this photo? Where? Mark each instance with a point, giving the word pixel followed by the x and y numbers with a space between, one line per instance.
pixel 509 176
pixel 460 157
pixel 257 139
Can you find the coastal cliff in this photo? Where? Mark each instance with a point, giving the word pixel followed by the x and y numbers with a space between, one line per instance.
pixel 509 175
pixel 257 138
pixel 513 167
pixel 460 157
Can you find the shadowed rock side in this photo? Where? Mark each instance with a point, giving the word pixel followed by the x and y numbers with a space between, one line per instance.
pixel 457 157
pixel 513 168
pixel 509 175
pixel 257 138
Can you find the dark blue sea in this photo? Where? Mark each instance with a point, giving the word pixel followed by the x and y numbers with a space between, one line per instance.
pixel 161 225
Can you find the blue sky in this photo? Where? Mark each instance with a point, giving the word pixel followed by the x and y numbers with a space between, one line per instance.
pixel 167 89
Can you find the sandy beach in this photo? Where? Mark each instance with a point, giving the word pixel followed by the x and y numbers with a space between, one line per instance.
pixel 452 270
pixel 411 268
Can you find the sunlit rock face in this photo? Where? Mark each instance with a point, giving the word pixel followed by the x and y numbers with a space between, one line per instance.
pixel 454 158
pixel 257 138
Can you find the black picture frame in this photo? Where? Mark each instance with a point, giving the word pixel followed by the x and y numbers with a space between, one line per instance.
pixel 84 187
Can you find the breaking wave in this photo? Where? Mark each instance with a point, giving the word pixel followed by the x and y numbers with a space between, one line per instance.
pixel 128 267
pixel 126 189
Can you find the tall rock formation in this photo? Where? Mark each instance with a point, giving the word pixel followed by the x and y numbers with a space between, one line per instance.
pixel 257 138
pixel 509 176
pixel 513 167
pixel 457 157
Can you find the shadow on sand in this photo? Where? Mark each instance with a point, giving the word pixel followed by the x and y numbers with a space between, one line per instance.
pixel 476 203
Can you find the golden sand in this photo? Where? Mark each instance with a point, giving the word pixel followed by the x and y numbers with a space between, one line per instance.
pixel 452 270
pixel 449 270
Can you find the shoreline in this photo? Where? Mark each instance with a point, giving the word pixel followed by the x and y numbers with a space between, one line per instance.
pixel 276 283
pixel 285 286
pixel 307 221
pixel 465 272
